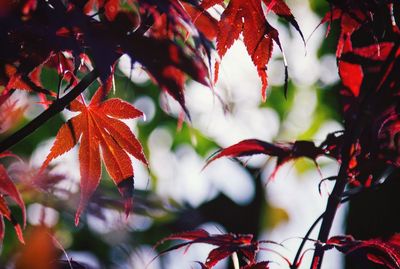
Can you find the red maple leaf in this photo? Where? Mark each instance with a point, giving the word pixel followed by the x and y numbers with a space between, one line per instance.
pixel 378 251
pixel 349 22
pixel 247 17
pixel 8 189
pixel 98 126
pixel 203 21
pixel 227 244
pixel 284 151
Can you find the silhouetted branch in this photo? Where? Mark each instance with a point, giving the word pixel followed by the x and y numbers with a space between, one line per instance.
pixel 56 107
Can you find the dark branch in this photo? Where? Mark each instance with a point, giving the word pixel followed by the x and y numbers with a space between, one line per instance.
pixel 295 264
pixel 53 109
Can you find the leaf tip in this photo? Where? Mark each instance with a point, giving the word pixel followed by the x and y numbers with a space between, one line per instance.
pixel 78 214
pixel 19 233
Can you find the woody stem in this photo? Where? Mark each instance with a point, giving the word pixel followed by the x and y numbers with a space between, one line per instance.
pixel 55 108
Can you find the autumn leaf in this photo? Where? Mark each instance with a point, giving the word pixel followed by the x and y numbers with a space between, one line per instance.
pixel 352 76
pixel 98 126
pixel 353 15
pixel 284 151
pixel 380 251
pixel 30 180
pixel 226 245
pixel 358 62
pixel 39 251
pixel 350 21
pixel 10 114
pixel 70 29
pixel 167 64
pixel 29 6
pixel 8 189
pixel 42 251
pixel 247 17
pixel 203 21
pixel 359 67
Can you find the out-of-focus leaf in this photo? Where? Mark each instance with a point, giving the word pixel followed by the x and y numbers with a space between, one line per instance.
pixel 8 189
pixel 39 251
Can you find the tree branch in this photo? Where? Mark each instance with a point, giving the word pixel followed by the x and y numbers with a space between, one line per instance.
pixel 333 201
pixel 353 129
pixel 55 108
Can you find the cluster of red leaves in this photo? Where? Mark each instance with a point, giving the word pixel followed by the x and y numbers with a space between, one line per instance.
pixel 385 252
pixel 29 181
pixel 10 114
pixel 249 18
pixel 368 62
pixel 243 245
pixel 8 189
pixel 354 15
pixel 76 36
pixel 65 35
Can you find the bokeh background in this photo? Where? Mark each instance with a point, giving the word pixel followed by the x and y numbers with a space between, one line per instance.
pixel 174 194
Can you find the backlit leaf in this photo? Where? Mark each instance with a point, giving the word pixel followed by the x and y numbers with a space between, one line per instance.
pixel 98 126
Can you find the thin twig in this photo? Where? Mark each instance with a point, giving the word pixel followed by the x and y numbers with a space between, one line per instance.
pixel 296 259
pixel 51 111
pixel 334 199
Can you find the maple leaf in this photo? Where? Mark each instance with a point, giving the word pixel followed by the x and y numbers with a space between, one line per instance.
pixel 203 21
pixel 8 189
pixel 167 64
pixel 98 126
pixel 42 250
pixel 30 180
pixel 284 151
pixel 39 248
pixel 247 17
pixel 227 244
pixel 30 82
pixel 384 252
pixel 354 15
pixel 349 22
pixel 122 27
pixel 359 66
pixel 10 114
pixel 352 76
pixel 356 63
